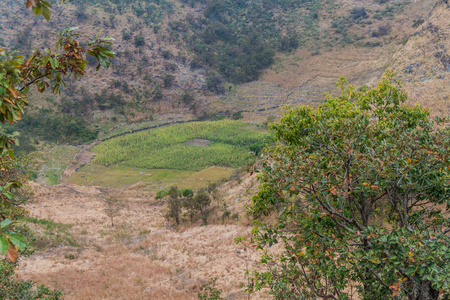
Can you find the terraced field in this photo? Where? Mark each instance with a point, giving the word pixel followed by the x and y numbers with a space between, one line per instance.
pixel 176 147
pixel 189 155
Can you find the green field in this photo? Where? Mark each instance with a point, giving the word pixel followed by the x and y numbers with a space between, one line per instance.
pixel 122 176
pixel 188 147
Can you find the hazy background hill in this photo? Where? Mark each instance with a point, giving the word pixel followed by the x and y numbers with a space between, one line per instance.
pixel 185 59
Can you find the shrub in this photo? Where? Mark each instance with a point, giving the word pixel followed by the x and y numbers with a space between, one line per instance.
pixel 11 288
pixel 210 292
pixel 168 80
pixel 382 31
pixel 126 35
pixel 187 98
pixel 358 13
pixel 139 41
pixel 416 23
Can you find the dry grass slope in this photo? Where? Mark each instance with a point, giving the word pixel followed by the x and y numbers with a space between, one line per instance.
pixel 141 257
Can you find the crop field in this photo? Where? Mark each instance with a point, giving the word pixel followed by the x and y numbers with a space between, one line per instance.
pixel 188 147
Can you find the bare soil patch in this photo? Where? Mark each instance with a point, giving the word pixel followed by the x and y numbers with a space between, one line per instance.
pixel 199 143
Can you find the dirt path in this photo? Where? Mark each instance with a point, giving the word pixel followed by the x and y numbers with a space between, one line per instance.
pixel 83 157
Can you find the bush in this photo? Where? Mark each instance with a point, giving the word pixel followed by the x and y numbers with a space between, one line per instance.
pixel 161 194
pixel 358 13
pixel 187 98
pixel 157 95
pixel 382 31
pixel 166 54
pixel 126 35
pixel 11 288
pixel 210 292
pixel 139 41
pixel 168 80
pixel 417 23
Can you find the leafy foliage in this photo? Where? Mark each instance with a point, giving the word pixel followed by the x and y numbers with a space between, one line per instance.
pixel 13 289
pixel 210 292
pixel 43 69
pixel 359 188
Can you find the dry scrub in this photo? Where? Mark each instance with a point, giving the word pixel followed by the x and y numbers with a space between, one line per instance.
pixel 141 257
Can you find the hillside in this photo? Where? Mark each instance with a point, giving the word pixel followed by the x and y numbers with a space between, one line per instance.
pixel 178 60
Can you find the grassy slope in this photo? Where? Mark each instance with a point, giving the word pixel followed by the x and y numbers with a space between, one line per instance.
pixel 53 161
pixel 122 176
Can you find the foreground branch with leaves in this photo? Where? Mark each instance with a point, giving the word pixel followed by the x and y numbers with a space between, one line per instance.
pixel 43 69
pixel 359 191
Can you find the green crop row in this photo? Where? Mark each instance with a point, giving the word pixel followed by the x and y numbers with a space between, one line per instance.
pixel 171 147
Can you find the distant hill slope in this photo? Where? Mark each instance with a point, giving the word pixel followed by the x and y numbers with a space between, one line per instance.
pixel 424 63
pixel 188 58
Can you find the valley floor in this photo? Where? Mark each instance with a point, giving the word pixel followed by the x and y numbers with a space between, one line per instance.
pixel 141 257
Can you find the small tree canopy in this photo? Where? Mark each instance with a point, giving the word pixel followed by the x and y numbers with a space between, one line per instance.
pixel 359 188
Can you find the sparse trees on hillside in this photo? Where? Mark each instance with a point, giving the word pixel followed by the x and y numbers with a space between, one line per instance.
pixel 196 206
pixel 359 194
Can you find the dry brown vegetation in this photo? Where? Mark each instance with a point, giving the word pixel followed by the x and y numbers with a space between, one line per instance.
pixel 423 64
pixel 142 256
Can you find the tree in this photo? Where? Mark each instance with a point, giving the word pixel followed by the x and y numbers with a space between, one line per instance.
pixel 358 194
pixel 113 208
pixel 174 205
pixel 201 202
pixel 43 70
pixel 197 205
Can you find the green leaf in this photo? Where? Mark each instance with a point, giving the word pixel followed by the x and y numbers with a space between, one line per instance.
pixel 4 245
pixel 37 10
pixel 11 152
pixel 52 63
pixel 18 240
pixel 5 223
pixel 107 38
pixel 104 61
pixel 45 3
pixel 46 13
pixel 9 195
